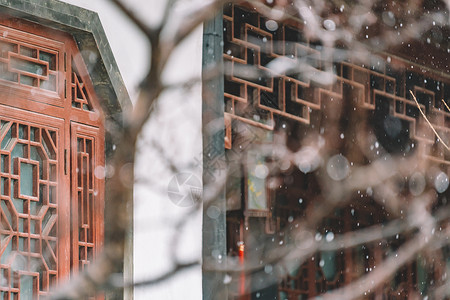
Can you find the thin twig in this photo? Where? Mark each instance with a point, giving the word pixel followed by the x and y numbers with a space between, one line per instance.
pixel 429 123
pixel 383 271
pixel 132 16
pixel 446 105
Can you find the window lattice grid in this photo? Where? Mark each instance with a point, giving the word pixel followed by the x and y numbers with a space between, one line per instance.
pixel 255 95
pixel 80 96
pixel 42 71
pixel 28 171
pixel 27 64
pixel 85 199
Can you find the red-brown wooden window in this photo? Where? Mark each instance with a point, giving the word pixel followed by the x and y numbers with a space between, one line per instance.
pixel 52 159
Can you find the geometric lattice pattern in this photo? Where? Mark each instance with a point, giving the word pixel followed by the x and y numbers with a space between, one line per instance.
pixel 80 97
pixel 255 97
pixel 28 65
pixel 29 209
pixel 51 210
pixel 83 222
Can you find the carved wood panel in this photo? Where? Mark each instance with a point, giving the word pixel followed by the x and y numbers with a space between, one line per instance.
pixel 32 163
pixel 52 161
pixel 30 62
pixel 80 96
pixel 87 195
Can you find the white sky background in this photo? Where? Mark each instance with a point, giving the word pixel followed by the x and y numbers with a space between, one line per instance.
pixel 176 126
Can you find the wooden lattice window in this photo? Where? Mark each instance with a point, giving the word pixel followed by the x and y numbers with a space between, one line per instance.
pixel 263 103
pixel 52 158
pixel 378 85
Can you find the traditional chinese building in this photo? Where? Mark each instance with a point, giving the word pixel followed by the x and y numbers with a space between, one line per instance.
pixel 268 194
pixel 59 85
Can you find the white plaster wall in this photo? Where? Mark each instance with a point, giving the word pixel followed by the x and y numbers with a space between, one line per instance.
pixel 176 126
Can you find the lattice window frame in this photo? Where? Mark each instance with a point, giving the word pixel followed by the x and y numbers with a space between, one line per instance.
pixel 370 81
pixel 57 105
pixel 371 85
